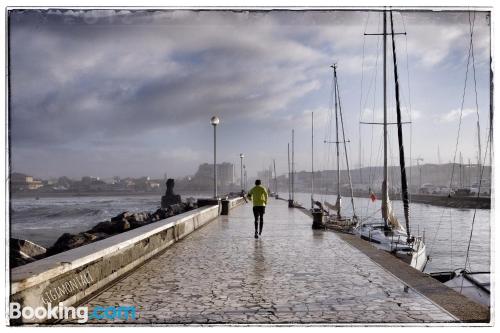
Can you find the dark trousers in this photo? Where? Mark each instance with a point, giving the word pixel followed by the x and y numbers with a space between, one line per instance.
pixel 258 213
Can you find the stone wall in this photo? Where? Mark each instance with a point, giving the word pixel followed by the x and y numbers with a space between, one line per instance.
pixel 73 276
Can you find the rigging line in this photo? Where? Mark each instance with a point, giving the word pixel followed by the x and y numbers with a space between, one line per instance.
pixel 460 119
pixel 458 135
pixel 437 231
pixel 475 210
pixel 345 150
pixel 375 75
pixel 407 62
pixel 328 137
pixel 451 240
pixel 361 101
pixel 404 185
pixel 373 79
pixel 362 69
pixel 409 98
pixel 370 216
pixel 370 174
pixel 373 170
pixel 372 74
pixel 471 27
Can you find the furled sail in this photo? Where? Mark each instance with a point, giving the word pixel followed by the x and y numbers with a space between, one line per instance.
pixel 392 219
pixel 388 212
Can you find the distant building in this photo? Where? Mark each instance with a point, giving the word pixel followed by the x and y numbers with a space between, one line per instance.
pixel 154 184
pixel 225 173
pixel 265 176
pixel 89 184
pixel 203 178
pixel 22 182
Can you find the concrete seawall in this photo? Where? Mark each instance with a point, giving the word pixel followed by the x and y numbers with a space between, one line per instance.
pixel 73 276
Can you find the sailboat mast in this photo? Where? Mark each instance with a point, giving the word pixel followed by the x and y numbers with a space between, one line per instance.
pixel 479 152
pixel 461 166
pixel 312 159
pixel 275 179
pixel 336 129
pixel 293 164
pixel 385 188
pixel 404 182
pixel 289 176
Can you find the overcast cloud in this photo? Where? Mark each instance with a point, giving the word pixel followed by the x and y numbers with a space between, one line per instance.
pixel 130 93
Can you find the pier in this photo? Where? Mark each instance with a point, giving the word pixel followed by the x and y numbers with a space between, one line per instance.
pixel 205 267
pixel 292 274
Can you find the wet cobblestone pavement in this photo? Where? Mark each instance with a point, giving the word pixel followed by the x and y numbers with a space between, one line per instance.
pixel 292 274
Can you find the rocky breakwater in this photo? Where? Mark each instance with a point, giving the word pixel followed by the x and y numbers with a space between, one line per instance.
pixel 23 251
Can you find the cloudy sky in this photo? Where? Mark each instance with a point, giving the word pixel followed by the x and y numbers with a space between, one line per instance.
pixel 131 93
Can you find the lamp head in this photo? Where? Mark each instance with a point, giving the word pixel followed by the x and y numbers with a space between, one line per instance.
pixel 214 121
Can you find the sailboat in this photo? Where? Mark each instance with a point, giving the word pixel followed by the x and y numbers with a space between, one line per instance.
pixel 388 234
pixel 336 220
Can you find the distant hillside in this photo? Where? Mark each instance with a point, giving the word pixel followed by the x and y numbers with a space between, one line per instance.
pixel 435 174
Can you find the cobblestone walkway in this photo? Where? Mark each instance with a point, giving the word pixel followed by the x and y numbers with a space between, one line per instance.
pixel 292 274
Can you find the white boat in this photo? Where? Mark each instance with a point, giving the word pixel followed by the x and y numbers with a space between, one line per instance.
pixel 395 241
pixel 387 233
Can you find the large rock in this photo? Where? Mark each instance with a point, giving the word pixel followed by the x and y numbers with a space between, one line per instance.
pixel 111 227
pixel 175 209
pixel 190 204
pixel 119 217
pixel 70 241
pixel 160 214
pixel 23 252
pixel 139 219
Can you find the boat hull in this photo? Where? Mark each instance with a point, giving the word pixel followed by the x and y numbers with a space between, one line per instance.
pixel 394 242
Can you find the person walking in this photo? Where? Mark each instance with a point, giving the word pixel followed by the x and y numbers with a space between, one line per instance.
pixel 259 195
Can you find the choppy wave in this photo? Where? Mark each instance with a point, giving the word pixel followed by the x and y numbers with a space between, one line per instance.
pixel 51 212
pixel 45 219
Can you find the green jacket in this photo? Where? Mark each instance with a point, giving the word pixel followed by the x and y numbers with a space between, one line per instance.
pixel 258 194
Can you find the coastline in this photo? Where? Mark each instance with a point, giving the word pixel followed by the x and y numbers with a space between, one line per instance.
pixel 430 199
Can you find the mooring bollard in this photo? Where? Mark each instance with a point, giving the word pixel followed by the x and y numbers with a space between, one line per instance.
pixel 290 204
pixel 317 219
pixel 225 207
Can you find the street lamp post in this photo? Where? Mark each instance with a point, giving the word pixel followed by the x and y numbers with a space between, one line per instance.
pixel 244 177
pixel 215 121
pixel 241 171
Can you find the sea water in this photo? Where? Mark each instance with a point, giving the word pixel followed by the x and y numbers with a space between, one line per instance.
pixel 447 230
